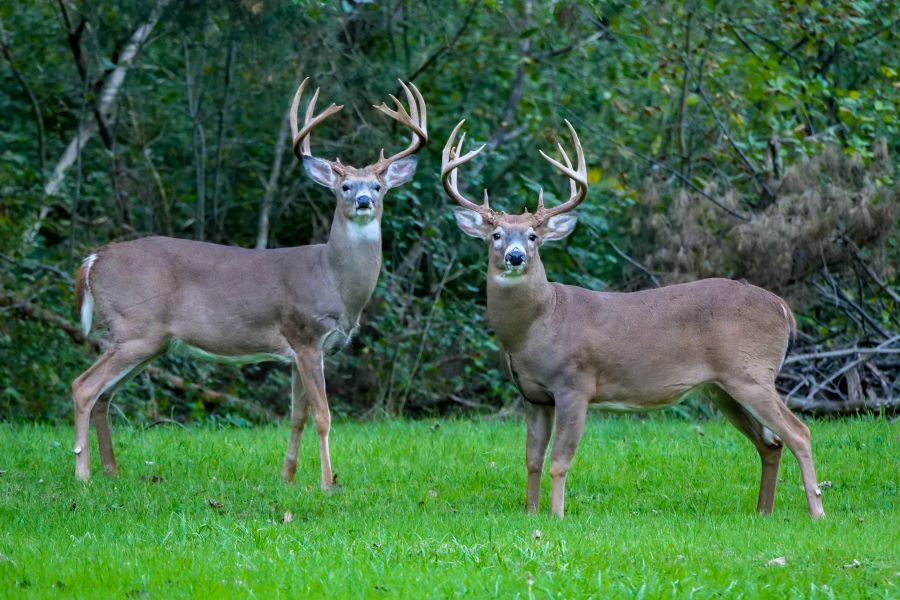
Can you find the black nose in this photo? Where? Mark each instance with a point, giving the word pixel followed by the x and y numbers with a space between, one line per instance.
pixel 363 202
pixel 515 257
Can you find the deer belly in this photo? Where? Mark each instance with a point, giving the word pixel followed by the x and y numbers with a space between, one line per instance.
pixel 620 398
pixel 236 358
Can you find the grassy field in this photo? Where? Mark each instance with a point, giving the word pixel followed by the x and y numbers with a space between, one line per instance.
pixel 427 509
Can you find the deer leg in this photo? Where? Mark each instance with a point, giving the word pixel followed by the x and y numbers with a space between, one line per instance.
pixel 570 418
pixel 100 419
pixel 539 424
pixel 114 366
pixel 299 416
pixel 312 374
pixel 766 405
pixel 768 446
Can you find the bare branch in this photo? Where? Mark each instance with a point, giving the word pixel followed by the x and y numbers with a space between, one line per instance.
pixel 35 106
pixel 271 185
pixel 106 101
pixel 633 262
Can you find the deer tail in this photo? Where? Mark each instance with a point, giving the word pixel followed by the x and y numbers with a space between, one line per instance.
pixel 791 329
pixel 84 297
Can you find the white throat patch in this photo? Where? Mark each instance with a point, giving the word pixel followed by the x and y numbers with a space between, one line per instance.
pixel 369 231
pixel 509 280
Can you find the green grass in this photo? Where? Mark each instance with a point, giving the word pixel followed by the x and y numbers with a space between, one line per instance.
pixel 434 510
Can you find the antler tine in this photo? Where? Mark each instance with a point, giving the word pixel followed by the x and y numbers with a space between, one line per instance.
pixel 578 183
pixel 423 109
pixel 416 119
pixel 301 137
pixel 450 162
pixel 295 107
pixel 310 110
pixel 562 151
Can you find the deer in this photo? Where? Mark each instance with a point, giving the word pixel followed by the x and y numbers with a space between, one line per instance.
pixel 291 305
pixel 568 347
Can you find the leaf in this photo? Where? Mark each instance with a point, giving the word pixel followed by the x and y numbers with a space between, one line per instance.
pixel 777 562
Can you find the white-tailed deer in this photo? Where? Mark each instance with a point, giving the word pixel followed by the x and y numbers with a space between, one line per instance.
pixel 568 347
pixel 288 304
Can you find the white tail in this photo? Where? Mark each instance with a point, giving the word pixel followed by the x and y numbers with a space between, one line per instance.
pixel 87 298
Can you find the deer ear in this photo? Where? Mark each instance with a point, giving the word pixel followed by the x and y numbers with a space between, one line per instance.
pixel 558 227
pixel 400 171
pixel 471 223
pixel 319 170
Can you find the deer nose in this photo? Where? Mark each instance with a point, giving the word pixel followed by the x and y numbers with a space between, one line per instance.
pixel 515 257
pixel 364 202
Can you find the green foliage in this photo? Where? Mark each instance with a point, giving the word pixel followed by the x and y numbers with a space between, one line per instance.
pixel 433 509
pixel 691 94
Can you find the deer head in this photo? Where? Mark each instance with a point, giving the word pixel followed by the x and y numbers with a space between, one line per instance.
pixel 359 192
pixel 514 239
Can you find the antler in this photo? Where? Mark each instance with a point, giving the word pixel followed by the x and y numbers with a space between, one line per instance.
pixel 301 137
pixel 416 119
pixel 577 180
pixel 450 161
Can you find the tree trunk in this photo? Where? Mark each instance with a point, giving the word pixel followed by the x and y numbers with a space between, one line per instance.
pixel 106 100
pixel 262 238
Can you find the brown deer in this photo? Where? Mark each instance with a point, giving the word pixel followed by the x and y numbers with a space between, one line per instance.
pixel 288 304
pixel 568 347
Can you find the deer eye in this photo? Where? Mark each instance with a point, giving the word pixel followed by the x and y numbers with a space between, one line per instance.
pixel 496 235
pixel 345 187
pixel 377 188
pixel 532 237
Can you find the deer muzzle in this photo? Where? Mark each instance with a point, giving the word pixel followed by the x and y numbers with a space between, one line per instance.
pixel 516 258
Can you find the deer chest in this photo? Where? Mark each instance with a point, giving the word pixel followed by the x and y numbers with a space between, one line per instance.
pixel 532 390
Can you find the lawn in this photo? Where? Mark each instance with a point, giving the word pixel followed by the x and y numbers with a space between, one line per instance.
pixel 655 508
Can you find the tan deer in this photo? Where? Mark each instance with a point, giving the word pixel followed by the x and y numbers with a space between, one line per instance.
pixel 569 347
pixel 288 304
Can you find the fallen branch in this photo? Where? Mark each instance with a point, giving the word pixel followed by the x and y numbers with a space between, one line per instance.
pixel 29 310
pixel 828 407
pixel 837 353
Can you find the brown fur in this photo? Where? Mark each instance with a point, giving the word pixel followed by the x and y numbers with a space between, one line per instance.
pixel 570 347
pixel 292 304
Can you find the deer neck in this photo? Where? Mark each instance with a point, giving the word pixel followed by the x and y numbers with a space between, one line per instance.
pixel 514 306
pixel 354 257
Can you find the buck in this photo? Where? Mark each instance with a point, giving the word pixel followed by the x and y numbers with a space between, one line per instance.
pixel 288 304
pixel 568 347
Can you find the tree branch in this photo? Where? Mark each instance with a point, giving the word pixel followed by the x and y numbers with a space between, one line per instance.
pixel 105 102
pixel 633 262
pixel 35 106
pixel 432 58
pixel 262 237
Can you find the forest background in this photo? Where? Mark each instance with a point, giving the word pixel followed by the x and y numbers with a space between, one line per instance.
pixel 753 140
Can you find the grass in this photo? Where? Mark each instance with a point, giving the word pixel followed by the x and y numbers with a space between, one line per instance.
pixel 432 509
